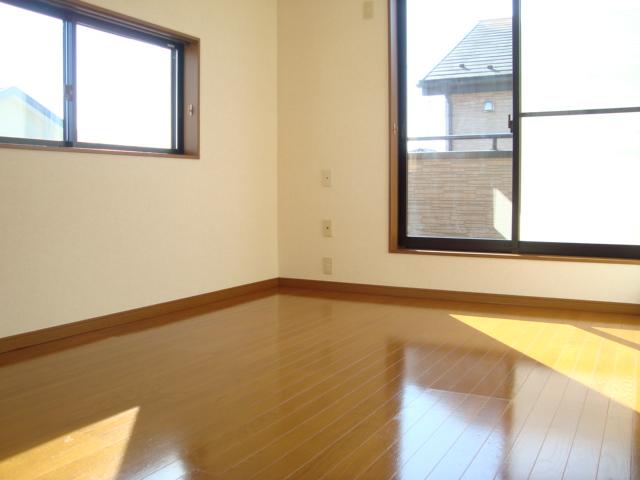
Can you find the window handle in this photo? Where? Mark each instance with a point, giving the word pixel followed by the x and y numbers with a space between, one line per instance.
pixel 510 123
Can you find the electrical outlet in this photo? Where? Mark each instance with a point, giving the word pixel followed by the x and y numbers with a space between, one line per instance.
pixel 327 265
pixel 327 228
pixel 368 10
pixel 326 178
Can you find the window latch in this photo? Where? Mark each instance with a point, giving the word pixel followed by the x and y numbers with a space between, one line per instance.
pixel 510 123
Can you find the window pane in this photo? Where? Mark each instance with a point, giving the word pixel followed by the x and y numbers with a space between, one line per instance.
pixel 31 75
pixel 580 55
pixel 580 178
pixel 459 90
pixel 123 91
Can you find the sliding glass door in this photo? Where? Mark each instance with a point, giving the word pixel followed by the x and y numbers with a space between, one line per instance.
pixel 459 148
pixel 519 126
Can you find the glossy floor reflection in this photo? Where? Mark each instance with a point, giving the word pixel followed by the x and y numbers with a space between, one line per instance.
pixel 300 385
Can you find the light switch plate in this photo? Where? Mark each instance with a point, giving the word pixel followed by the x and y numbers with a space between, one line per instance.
pixel 327 265
pixel 368 10
pixel 327 228
pixel 326 178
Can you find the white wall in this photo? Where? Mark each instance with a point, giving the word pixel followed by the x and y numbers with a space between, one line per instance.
pixel 332 87
pixel 87 235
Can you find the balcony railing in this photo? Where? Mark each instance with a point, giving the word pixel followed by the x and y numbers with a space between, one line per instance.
pixel 494 137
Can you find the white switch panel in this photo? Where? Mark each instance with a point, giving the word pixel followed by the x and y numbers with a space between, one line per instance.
pixel 368 10
pixel 327 228
pixel 326 178
pixel 327 265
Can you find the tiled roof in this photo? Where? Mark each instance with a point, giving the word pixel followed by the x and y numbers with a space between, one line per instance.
pixel 485 51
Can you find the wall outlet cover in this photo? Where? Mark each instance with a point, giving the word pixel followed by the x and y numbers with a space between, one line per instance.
pixel 327 265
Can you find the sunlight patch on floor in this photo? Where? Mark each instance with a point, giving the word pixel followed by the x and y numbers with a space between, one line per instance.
pixel 632 336
pixel 597 361
pixel 106 441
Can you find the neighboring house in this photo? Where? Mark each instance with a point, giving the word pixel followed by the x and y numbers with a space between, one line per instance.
pixel 465 192
pixel 21 116
pixel 476 81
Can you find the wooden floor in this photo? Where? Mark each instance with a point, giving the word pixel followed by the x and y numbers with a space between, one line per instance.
pixel 301 385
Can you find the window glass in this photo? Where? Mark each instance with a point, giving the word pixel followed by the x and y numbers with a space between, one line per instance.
pixel 124 90
pixel 459 83
pixel 31 75
pixel 580 178
pixel 577 127
pixel 580 54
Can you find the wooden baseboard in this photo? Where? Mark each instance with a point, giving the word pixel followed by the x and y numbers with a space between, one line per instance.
pixel 454 296
pixel 37 337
